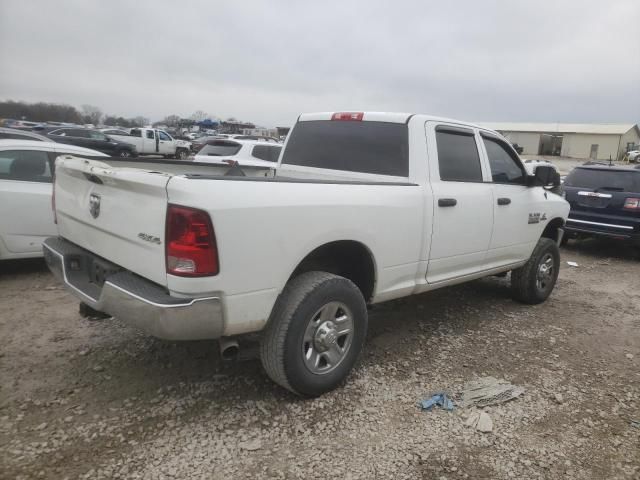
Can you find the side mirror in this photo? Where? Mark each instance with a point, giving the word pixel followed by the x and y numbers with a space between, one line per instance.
pixel 544 176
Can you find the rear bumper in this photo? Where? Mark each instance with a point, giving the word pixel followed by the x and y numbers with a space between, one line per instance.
pixel 604 228
pixel 132 299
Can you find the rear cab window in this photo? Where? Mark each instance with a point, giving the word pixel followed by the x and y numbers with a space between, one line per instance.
pixel 380 148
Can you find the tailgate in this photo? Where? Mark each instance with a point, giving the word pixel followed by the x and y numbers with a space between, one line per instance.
pixel 116 213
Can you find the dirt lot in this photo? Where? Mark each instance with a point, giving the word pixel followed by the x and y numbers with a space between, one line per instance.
pixel 96 399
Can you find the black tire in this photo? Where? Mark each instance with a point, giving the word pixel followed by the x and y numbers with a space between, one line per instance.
pixel 531 283
pixel 181 154
pixel 282 348
pixel 565 240
pixel 124 153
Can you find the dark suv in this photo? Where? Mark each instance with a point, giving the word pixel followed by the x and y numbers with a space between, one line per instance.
pixel 605 201
pixel 84 137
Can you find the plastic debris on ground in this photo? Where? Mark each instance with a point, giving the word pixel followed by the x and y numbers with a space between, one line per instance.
pixel 437 399
pixel 488 391
pixel 572 264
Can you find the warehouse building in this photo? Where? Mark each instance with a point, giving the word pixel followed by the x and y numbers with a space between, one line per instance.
pixel 575 140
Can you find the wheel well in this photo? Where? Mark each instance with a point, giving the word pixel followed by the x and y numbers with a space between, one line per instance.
pixel 346 258
pixel 551 230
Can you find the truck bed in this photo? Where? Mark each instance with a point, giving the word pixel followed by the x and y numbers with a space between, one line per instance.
pixel 183 167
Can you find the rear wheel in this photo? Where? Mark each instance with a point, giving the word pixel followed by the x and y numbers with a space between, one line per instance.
pixel 533 282
pixel 124 153
pixel 315 333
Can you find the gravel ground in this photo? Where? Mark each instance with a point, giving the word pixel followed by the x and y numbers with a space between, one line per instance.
pixel 96 399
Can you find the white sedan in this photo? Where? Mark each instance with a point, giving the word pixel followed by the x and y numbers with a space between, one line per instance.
pixel 26 218
pixel 251 153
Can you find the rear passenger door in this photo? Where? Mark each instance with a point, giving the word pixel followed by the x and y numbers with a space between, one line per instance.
pixel 26 218
pixel 513 236
pixel 463 203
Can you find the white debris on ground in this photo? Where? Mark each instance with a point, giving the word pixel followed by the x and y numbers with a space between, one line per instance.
pixel 488 391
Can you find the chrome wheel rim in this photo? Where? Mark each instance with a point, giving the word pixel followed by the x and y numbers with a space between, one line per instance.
pixel 327 338
pixel 545 273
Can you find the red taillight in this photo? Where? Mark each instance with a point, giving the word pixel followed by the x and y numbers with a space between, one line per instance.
pixel 632 204
pixel 53 198
pixel 191 248
pixel 348 116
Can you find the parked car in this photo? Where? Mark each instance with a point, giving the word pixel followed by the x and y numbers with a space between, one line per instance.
pixel 198 143
pixel 605 202
pixel 633 155
pixel 114 131
pixel 25 194
pixel 358 214
pixel 93 139
pixel 13 134
pixel 244 152
pixel 255 137
pixel 150 141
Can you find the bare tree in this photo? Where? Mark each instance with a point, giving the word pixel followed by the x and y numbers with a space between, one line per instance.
pixel 199 116
pixel 91 114
pixel 171 120
pixel 141 121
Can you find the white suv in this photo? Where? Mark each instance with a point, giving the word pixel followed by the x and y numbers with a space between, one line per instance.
pixel 254 153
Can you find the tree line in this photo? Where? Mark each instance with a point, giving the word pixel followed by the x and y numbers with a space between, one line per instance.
pixel 58 112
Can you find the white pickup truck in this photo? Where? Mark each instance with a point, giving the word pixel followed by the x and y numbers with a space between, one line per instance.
pixel 364 208
pixel 151 141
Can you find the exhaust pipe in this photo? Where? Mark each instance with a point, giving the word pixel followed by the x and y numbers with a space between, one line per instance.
pixel 229 348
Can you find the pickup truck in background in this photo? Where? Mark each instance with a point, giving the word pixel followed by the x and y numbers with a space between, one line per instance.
pixel 151 141
pixel 364 208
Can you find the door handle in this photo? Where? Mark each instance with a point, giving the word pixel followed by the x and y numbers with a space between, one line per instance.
pixel 504 201
pixel 447 202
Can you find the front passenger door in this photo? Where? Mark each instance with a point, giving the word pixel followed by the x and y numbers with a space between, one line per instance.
pixel 514 237
pixel 165 146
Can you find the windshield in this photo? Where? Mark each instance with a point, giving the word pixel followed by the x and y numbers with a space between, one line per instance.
pixel 601 179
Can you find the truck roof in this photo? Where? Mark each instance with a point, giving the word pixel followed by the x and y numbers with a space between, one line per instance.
pixel 391 117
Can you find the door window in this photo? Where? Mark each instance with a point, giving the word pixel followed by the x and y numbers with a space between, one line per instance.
pixel 61 132
pixel 25 165
pixel 458 156
pixel 164 136
pixel 266 152
pixel 79 133
pixel 98 136
pixel 505 167
pixel 150 134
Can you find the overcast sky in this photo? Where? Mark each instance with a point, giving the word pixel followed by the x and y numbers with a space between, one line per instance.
pixel 268 61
